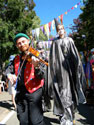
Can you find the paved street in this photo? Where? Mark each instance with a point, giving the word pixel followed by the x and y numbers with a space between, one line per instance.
pixel 84 116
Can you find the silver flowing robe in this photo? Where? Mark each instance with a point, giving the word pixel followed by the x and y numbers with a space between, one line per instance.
pixel 67 74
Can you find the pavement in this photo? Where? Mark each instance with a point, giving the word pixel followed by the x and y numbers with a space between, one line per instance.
pixel 5 104
pixel 84 116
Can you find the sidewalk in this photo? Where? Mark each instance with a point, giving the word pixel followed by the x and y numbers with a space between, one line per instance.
pixel 84 116
pixel 6 107
pixel 5 104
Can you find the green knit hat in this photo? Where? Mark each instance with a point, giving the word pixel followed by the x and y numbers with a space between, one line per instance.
pixel 20 35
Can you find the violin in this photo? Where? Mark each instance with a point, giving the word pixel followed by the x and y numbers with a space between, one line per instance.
pixel 34 52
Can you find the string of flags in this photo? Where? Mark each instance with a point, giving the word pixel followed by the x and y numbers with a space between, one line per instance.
pixel 46 28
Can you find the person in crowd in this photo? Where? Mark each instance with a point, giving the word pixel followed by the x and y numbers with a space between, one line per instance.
pixel 92 85
pixel 4 86
pixel 26 74
pixel 43 52
pixel 11 88
pixel 92 66
pixel 67 75
pixel 88 72
pixel 46 105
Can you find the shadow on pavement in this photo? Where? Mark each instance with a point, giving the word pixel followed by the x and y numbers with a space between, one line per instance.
pixel 49 120
pixel 6 104
pixel 87 111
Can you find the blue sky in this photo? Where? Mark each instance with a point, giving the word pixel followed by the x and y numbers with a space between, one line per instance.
pixel 47 10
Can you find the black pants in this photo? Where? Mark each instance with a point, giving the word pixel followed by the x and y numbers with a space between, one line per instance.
pixel 29 108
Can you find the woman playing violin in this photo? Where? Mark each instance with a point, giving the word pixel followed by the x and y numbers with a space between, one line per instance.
pixel 28 80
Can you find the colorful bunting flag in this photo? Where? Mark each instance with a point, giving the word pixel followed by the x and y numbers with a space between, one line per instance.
pixel 49 24
pixel 72 8
pixel 61 19
pixel 82 1
pixel 46 29
pixel 33 32
pixel 53 24
pixel 66 12
pixel 75 6
pixel 37 31
pixel 78 3
pixel 42 29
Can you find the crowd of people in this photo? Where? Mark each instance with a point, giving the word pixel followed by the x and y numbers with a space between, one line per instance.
pixel 87 59
pixel 62 80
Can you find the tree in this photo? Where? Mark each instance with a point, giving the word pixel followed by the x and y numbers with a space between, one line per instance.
pixel 77 34
pixel 15 16
pixel 87 18
pixel 84 26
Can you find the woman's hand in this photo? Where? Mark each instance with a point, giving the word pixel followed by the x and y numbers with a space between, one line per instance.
pixel 12 78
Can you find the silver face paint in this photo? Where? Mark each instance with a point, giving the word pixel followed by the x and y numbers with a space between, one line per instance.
pixel 60 30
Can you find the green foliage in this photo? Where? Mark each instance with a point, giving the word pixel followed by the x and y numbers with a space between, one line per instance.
pixel 42 36
pixel 85 26
pixel 15 16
